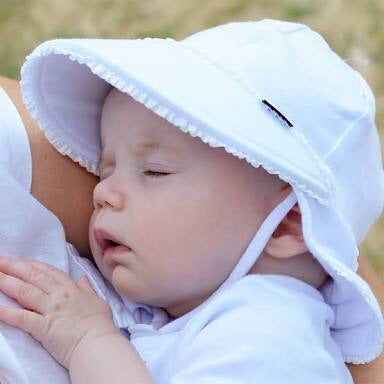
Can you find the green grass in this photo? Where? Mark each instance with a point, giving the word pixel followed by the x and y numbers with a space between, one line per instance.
pixel 297 11
pixel 163 32
pixel 228 11
pixel 9 8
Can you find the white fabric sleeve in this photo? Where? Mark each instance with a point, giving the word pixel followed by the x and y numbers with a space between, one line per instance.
pixel 29 230
pixel 15 153
pixel 272 342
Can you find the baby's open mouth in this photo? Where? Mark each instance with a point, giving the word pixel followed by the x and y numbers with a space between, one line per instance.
pixel 106 241
pixel 110 243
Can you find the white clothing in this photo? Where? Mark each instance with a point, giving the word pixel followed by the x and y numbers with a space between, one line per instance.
pixel 260 329
pixel 28 229
pixel 235 86
pixel 263 329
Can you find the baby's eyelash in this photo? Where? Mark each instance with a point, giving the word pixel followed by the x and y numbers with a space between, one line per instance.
pixel 151 173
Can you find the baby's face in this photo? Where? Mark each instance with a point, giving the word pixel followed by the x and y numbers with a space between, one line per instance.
pixel 180 212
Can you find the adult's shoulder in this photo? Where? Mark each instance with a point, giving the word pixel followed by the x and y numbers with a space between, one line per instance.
pixel 61 185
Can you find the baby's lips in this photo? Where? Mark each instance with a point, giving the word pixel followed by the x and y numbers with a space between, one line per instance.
pixel 104 239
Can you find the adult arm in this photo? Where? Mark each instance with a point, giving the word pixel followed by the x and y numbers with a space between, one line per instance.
pixel 61 185
pixel 372 373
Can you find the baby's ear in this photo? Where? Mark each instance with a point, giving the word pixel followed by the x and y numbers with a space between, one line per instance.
pixel 287 239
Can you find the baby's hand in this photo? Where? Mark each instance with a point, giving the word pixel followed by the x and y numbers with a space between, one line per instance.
pixel 58 312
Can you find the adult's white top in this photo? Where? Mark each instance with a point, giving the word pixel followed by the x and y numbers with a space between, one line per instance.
pixel 29 230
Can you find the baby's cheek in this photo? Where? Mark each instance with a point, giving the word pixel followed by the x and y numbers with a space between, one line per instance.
pixel 92 241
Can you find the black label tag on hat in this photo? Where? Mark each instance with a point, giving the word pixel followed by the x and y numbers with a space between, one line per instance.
pixel 277 113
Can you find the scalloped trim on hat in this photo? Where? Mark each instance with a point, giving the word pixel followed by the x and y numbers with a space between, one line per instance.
pixel 140 96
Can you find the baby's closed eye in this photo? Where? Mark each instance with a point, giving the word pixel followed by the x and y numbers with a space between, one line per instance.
pixel 153 173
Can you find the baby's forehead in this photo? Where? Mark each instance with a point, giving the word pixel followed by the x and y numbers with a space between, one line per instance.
pixel 150 141
pixel 128 122
pixel 135 121
pixel 141 132
pixel 141 147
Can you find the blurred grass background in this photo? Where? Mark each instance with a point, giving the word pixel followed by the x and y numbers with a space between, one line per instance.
pixel 354 29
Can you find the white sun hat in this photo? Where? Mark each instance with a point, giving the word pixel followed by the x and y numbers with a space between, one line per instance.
pixel 270 92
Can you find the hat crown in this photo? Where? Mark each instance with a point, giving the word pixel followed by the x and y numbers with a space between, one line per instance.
pixel 293 68
pixel 326 100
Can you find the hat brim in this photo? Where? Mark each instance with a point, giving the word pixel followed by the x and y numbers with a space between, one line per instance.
pixel 64 83
pixel 358 326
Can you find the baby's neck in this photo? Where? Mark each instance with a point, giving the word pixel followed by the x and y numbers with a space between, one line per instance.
pixel 303 267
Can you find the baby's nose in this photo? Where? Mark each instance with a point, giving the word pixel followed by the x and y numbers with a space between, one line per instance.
pixel 107 194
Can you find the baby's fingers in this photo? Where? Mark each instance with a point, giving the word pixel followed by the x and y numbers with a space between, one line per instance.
pixel 28 321
pixel 84 283
pixel 55 273
pixel 25 294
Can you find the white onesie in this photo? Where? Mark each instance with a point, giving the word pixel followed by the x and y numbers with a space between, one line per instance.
pixel 263 329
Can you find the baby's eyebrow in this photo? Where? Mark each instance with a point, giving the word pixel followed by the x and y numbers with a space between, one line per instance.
pixel 141 149
pixel 145 147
